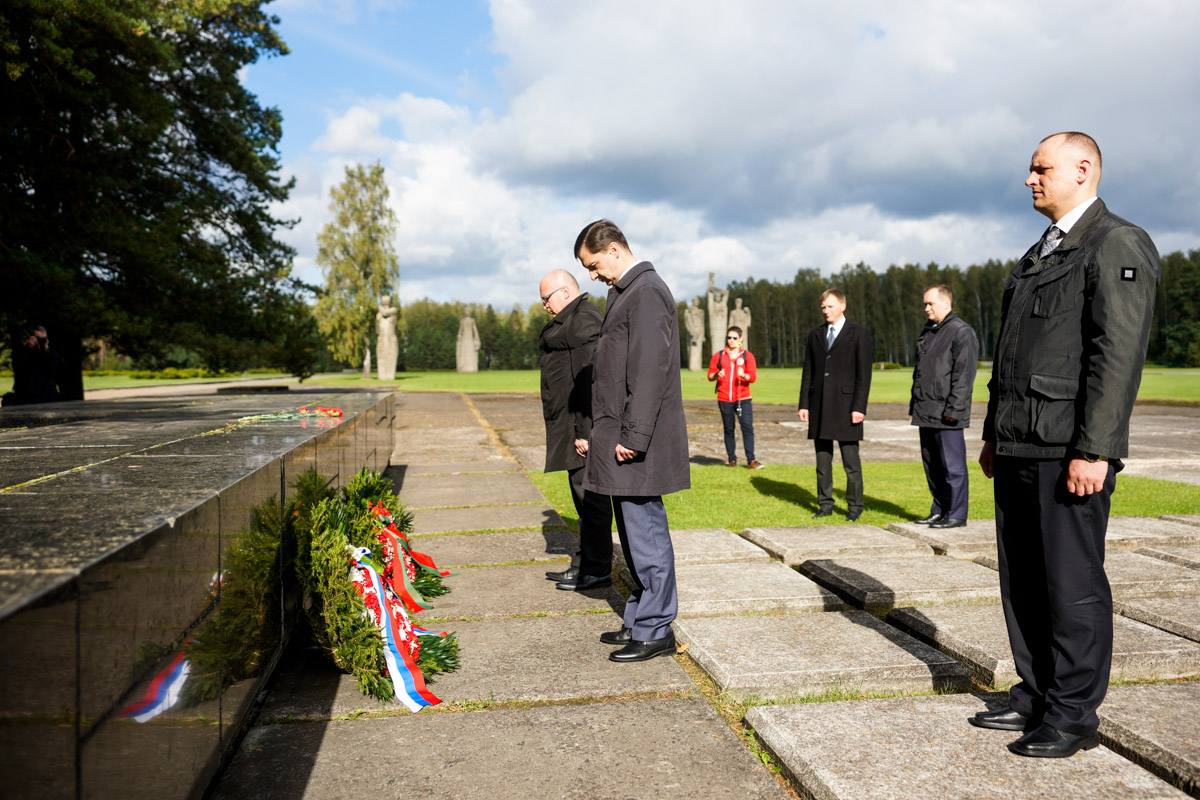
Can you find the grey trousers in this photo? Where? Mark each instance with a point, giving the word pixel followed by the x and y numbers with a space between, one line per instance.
pixel 646 543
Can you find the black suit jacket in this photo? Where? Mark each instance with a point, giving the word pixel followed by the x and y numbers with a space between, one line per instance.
pixel 836 382
pixel 568 346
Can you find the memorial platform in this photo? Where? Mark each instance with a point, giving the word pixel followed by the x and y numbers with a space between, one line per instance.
pixel 117 524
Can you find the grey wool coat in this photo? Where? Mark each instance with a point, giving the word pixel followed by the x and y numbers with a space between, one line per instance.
pixel 836 382
pixel 568 350
pixel 636 396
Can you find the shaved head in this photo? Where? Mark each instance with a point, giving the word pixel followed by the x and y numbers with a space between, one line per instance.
pixel 1082 145
pixel 558 289
pixel 558 278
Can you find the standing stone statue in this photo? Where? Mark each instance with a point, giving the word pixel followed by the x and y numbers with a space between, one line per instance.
pixel 387 347
pixel 693 319
pixel 717 315
pixel 741 317
pixel 466 351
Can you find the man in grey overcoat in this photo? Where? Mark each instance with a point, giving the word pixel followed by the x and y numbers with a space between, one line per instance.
pixel 943 380
pixel 833 399
pixel 638 450
pixel 568 351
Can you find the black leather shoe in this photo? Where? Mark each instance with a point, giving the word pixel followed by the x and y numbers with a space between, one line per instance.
pixel 623 636
pixel 932 518
pixel 853 516
pixel 1004 719
pixel 1046 741
pixel 568 574
pixel 823 512
pixel 581 582
pixel 644 651
pixel 949 523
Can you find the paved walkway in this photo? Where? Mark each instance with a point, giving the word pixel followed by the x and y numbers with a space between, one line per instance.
pixel 894 636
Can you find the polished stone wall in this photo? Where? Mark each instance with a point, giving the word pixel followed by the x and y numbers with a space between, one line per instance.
pixel 114 530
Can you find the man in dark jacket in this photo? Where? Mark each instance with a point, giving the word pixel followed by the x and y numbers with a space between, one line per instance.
pixel 833 399
pixel 638 449
pixel 1075 322
pixel 943 378
pixel 568 350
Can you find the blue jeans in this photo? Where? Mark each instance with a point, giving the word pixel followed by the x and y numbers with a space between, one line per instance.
pixel 728 414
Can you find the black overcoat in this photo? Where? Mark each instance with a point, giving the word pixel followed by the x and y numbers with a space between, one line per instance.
pixel 836 382
pixel 944 376
pixel 636 396
pixel 568 347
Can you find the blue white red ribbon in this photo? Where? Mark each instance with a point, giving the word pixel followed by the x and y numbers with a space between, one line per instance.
pixel 162 691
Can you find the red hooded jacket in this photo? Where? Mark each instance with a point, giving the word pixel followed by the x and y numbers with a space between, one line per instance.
pixel 730 387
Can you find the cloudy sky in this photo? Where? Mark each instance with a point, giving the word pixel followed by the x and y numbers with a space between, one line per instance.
pixel 748 138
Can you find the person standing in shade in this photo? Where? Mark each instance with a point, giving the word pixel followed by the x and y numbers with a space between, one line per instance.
pixel 733 370
pixel 568 351
pixel 638 450
pixel 947 352
pixel 833 399
pixel 1074 327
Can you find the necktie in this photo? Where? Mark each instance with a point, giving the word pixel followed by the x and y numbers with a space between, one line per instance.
pixel 829 339
pixel 1050 241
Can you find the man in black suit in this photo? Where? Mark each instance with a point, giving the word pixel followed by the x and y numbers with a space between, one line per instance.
pixel 1075 323
pixel 833 399
pixel 638 450
pixel 568 350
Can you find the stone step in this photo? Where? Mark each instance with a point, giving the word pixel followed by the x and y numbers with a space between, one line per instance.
pixel 1185 519
pixel 1181 556
pixel 1135 575
pixel 915 748
pixel 478 549
pixel 500 592
pixel 713 590
pixel 707 546
pixel 794 546
pixel 453 520
pixel 1157 727
pixel 976 636
pixel 681 748
pixel 887 582
pixel 787 657
pixel 1180 616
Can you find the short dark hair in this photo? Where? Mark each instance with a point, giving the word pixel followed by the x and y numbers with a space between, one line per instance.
pixel 841 298
pixel 733 328
pixel 598 235
pixel 1082 141
pixel 944 291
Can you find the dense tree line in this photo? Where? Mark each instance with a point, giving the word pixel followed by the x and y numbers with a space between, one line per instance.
pixel 888 303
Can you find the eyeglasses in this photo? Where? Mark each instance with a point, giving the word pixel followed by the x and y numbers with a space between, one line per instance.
pixel 546 299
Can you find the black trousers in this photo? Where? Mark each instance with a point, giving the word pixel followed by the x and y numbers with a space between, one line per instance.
pixel 854 482
pixel 595 527
pixel 1057 602
pixel 944 455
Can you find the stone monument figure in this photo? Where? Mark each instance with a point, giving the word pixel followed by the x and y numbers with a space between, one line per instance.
pixel 741 318
pixel 693 319
pixel 387 347
pixel 466 351
pixel 718 317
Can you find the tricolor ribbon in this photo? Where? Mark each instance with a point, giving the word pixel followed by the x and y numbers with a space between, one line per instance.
pixel 407 680
pixel 163 690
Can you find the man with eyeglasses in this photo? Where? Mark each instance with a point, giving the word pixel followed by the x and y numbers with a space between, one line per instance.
pixel 568 351
pixel 733 370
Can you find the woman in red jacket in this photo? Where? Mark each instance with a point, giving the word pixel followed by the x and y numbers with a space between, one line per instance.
pixel 733 369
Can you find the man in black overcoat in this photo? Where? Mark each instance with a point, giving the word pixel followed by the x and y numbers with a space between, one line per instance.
pixel 943 380
pixel 568 350
pixel 638 449
pixel 1074 326
pixel 833 399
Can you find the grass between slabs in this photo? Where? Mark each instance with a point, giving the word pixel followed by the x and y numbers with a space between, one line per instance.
pixel 784 495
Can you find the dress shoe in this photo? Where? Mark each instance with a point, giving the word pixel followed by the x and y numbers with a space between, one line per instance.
pixel 949 523
pixel 644 651
pixel 568 574
pixel 582 582
pixel 823 512
pixel 932 518
pixel 1046 741
pixel 732 462
pixel 1004 719
pixel 754 464
pixel 853 516
pixel 623 636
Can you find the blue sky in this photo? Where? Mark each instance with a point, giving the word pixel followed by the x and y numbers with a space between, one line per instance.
pixel 739 138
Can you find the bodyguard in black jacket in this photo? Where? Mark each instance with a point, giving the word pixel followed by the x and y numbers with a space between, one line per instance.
pixel 947 351
pixel 568 351
pixel 1073 334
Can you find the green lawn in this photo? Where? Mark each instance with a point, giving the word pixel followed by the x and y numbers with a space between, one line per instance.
pixel 785 495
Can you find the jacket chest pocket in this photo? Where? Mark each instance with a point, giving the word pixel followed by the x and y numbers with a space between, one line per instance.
pixel 1058 295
